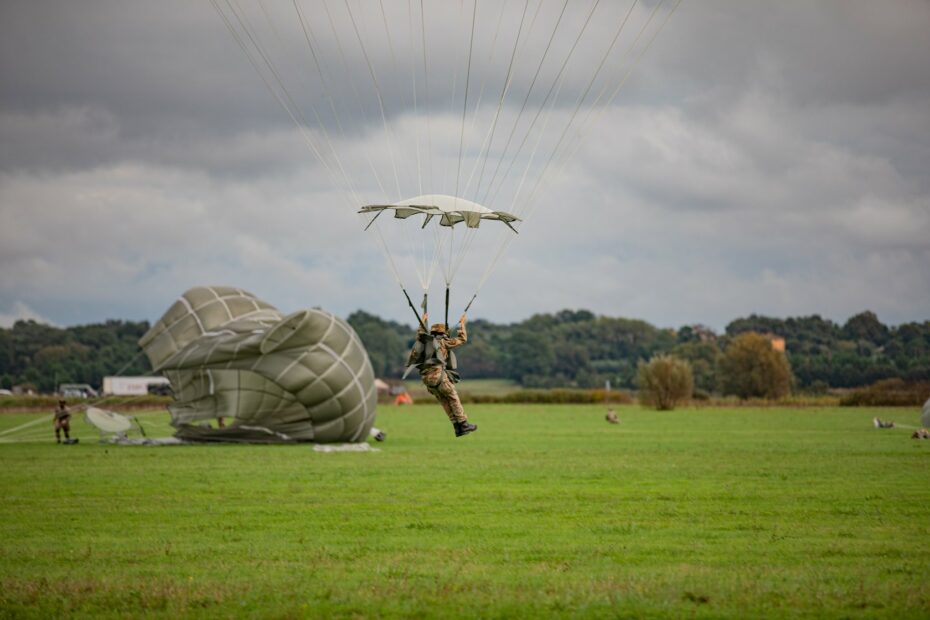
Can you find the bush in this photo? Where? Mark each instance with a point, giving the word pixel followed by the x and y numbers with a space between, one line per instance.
pixel 752 368
pixel 889 392
pixel 664 382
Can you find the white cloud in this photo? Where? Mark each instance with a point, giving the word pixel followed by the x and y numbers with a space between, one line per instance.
pixel 19 311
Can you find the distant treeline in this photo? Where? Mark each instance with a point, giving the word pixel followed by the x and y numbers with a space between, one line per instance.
pixel 566 349
pixel 579 349
pixel 43 357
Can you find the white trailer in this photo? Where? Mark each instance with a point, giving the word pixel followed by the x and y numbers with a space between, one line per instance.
pixel 130 386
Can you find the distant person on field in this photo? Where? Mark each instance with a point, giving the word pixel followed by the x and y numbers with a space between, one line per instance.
pixel 62 421
pixel 433 357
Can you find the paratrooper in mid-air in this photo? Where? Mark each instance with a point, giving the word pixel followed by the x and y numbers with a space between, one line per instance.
pixel 432 355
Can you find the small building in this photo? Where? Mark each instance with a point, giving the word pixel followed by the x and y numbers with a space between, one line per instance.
pixel 778 343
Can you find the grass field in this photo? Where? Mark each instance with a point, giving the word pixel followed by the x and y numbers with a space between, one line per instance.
pixel 547 511
pixel 479 387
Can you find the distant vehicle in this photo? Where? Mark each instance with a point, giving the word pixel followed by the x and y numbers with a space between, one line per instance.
pixel 76 390
pixel 160 389
pixel 6 393
pixel 134 386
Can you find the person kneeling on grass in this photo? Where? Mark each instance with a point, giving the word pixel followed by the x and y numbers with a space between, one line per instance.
pixel 433 357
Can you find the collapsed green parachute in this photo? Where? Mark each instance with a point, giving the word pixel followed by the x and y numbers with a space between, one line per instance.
pixel 227 354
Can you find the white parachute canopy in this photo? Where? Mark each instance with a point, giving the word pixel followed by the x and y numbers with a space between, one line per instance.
pixel 108 421
pixel 449 209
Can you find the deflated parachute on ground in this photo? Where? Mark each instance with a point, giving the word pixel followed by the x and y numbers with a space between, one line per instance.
pixel 227 354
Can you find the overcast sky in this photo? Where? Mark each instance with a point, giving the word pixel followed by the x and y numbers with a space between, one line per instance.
pixel 767 157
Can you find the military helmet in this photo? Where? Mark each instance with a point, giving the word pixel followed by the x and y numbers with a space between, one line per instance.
pixel 438 328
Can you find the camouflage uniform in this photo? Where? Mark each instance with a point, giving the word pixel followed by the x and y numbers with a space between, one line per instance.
pixel 62 421
pixel 435 372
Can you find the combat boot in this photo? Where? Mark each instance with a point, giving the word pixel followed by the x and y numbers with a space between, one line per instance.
pixel 463 428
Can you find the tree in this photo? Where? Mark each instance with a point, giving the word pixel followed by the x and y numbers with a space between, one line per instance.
pixel 388 343
pixel 751 367
pixel 527 355
pixel 866 326
pixel 664 382
pixel 703 357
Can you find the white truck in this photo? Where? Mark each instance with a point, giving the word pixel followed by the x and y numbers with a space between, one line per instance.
pixel 130 386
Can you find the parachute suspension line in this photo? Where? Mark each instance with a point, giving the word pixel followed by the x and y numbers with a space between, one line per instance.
pixel 484 80
pixel 396 72
pixel 505 240
pixel 437 253
pixel 371 70
pixel 456 257
pixel 508 239
pixel 390 257
pixel 274 29
pixel 447 309
pixel 119 373
pixel 485 151
pixel 350 185
pixel 556 82
pixel 318 63
pixel 526 99
pixel 579 101
pixel 384 247
pixel 455 79
pixel 387 32
pixel 355 91
pixel 416 112
pixel 285 97
pixel 301 123
pixel 429 133
pixel 44 418
pixel 415 313
pixel 282 97
pixel 447 273
pixel 574 148
pixel 471 42
pixel 463 251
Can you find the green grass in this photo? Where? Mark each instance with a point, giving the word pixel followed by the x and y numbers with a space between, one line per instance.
pixel 547 511
pixel 480 387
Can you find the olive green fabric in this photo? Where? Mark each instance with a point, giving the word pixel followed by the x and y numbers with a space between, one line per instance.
pixel 303 377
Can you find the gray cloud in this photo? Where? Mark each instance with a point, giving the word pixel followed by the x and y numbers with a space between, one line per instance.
pixel 762 158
